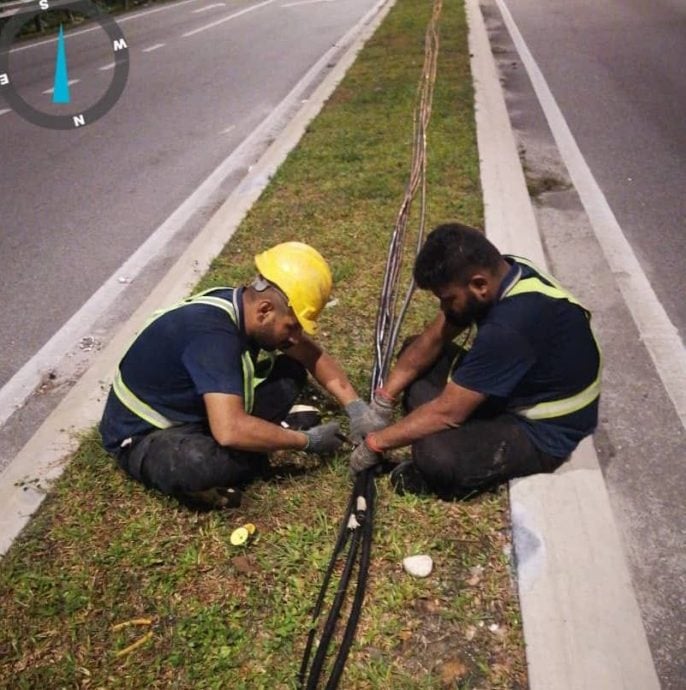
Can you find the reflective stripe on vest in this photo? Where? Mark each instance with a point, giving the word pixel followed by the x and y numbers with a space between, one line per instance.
pixel 141 409
pixel 573 403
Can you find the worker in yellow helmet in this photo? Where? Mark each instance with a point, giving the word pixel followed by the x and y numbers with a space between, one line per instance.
pixel 199 397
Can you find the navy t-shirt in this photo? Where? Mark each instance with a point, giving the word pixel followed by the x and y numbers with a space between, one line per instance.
pixel 183 354
pixel 530 348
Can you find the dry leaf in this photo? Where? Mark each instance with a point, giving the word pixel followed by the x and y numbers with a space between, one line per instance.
pixel 452 670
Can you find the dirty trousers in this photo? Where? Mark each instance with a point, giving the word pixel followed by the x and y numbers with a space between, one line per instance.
pixel 186 459
pixel 488 449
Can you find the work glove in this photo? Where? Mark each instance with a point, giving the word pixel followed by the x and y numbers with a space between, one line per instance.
pixel 363 420
pixel 323 439
pixel 382 405
pixel 362 458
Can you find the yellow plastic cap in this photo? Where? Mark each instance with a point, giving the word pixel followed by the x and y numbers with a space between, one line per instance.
pixel 302 274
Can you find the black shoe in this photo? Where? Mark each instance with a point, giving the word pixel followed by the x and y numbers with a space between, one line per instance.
pixel 302 417
pixel 407 479
pixel 218 497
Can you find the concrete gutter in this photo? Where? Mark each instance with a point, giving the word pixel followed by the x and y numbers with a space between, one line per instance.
pixel 582 623
pixel 46 454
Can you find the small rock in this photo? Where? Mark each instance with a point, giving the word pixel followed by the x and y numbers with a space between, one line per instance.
pixel 124 280
pixel 419 566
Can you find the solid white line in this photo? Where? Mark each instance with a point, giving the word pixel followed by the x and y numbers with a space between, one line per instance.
pixel 69 83
pixel 4 112
pixel 227 19
pixel 305 2
pixel 121 20
pixel 657 331
pixel 209 7
pixel 155 47
pixel 105 68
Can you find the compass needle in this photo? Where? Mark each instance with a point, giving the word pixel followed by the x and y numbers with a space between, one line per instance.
pixel 60 92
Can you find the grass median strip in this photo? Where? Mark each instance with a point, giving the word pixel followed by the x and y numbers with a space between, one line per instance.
pixel 202 613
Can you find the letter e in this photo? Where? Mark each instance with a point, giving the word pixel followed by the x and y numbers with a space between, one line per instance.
pixel 4 80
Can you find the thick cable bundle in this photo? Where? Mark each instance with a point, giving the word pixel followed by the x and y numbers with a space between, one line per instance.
pixel 355 531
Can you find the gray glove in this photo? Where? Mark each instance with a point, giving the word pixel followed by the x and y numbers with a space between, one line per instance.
pixel 382 406
pixel 362 458
pixel 363 419
pixel 323 439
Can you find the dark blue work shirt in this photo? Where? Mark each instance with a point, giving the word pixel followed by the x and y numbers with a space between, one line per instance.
pixel 183 354
pixel 531 348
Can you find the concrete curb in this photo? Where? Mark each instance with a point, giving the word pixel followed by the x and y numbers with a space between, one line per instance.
pixel 582 624
pixel 45 455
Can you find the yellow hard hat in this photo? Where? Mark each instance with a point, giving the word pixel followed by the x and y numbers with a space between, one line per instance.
pixel 302 274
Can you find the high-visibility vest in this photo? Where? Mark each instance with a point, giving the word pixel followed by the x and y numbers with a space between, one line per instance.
pixel 141 409
pixel 545 284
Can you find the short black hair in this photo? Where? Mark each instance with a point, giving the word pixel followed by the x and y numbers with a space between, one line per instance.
pixel 451 253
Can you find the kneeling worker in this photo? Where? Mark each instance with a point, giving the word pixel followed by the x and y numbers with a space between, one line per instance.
pixel 194 408
pixel 516 402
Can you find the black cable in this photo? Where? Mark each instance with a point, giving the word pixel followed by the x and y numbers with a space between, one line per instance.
pixel 343 534
pixel 360 591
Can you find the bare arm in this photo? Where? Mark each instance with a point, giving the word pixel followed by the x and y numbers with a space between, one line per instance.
pixel 450 409
pixel 324 368
pixel 232 426
pixel 419 355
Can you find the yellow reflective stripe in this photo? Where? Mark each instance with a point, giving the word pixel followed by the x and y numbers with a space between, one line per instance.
pixel 133 403
pixel 560 408
pixel 535 284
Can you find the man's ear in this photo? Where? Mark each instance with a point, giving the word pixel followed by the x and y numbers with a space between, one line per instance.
pixel 265 307
pixel 479 285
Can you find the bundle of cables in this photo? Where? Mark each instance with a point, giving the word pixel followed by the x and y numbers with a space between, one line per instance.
pixel 356 528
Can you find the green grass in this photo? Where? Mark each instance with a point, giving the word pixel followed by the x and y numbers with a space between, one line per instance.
pixel 102 550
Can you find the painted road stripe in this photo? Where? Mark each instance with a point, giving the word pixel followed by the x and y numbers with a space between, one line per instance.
pixel 228 129
pixel 209 7
pixel 71 81
pixel 305 2
pixel 155 47
pixel 4 112
pixel 228 19
pixel 105 68
pixel 120 20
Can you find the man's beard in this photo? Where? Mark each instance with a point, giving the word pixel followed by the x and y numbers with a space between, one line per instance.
pixel 474 311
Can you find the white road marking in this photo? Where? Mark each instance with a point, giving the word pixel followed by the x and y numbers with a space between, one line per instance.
pixel 209 7
pixel 227 19
pixel 120 20
pixel 228 129
pixel 305 2
pixel 105 68
pixel 4 112
pixel 155 47
pixel 657 331
pixel 69 83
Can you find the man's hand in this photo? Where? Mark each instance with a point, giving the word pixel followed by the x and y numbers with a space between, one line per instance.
pixel 364 419
pixel 363 457
pixel 323 439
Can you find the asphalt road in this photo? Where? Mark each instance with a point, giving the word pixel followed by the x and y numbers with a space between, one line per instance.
pixel 615 70
pixel 75 205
